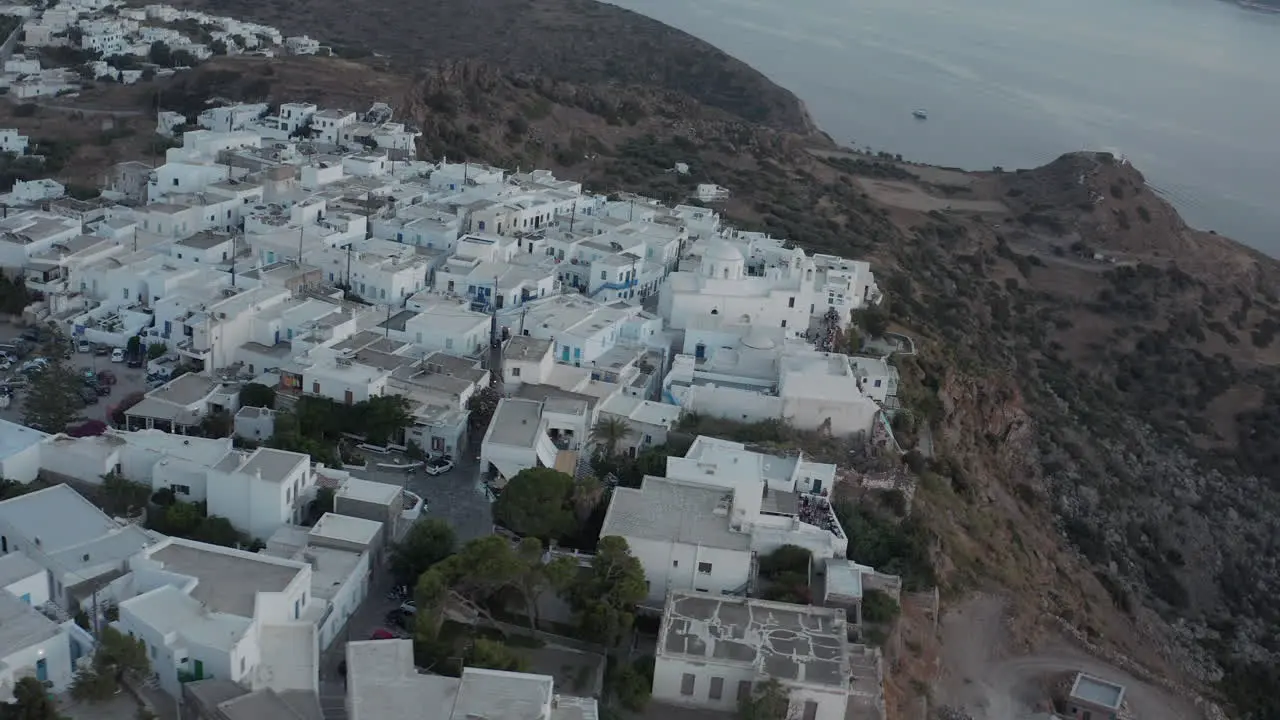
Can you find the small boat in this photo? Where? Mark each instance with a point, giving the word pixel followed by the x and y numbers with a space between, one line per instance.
pixel 920 114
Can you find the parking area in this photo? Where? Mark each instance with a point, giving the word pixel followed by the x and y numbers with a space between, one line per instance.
pixel 127 380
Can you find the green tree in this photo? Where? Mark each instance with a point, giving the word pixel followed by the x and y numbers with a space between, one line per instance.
pixel 768 701
pixel 122 497
pixel 156 350
pixel 217 530
pixel 607 433
pixel 257 395
pixel 631 683
pixel 604 599
pixel 481 407
pixel 874 321
pixel 134 346
pixel 159 54
pixel 30 702
pixel 427 543
pixel 430 595
pixel 182 519
pixel 116 655
pixel 53 401
pixel 878 607
pixel 217 424
pixel 537 503
pixel 493 655
pixel 788 558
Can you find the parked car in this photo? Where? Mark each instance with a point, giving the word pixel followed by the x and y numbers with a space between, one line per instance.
pixel 31 335
pixel 106 377
pixel 382 634
pixel 84 346
pixel 89 395
pixel 102 351
pixel 408 608
pixel 102 389
pixel 439 465
pixel 34 365
pixel 136 361
pixel 117 355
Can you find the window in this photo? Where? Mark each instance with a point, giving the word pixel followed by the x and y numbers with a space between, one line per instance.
pixel 784 323
pixel 704 568
pixel 184 489
pixel 744 689
pixel 686 684
pixel 603 275
pixel 515 372
pixel 315 388
pixel 717 688
pixel 241 666
pixel 791 302
pixel 175 182
pixel 448 343
pixel 877 383
pixel 675 563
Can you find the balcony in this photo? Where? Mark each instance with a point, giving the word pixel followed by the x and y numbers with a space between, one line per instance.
pixel 186 347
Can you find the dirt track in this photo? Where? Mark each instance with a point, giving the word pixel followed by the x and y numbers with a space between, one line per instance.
pixel 982 678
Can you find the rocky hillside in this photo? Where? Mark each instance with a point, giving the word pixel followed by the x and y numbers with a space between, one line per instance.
pixel 1099 379
pixel 580 41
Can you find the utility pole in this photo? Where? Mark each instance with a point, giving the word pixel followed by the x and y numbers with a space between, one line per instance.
pixel 135 238
pixel 387 325
pixel 348 266
pixel 301 232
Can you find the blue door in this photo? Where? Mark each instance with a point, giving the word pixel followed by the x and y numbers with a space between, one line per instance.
pixel 26 598
pixel 564 354
pixel 168 328
pixel 42 669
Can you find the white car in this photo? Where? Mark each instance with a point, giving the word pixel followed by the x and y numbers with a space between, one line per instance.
pixel 439 465
pixel 117 355
pixel 84 346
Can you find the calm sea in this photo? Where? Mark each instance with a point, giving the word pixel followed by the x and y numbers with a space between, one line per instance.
pixel 1189 90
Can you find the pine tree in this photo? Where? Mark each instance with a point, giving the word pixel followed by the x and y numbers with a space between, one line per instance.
pixel 53 401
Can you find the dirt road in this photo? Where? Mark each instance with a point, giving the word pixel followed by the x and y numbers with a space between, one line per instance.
pixel 981 677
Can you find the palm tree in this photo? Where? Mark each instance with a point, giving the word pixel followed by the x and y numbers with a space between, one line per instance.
pixel 608 432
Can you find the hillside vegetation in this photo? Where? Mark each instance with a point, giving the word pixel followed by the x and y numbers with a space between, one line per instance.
pixel 1100 380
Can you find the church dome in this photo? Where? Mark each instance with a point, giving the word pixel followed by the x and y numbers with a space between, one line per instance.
pixel 757 339
pixel 722 252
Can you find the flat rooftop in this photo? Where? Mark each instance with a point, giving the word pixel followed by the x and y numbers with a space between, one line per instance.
pixel 169 610
pixel 670 511
pixel 369 491
pixel 516 422
pixel 22 626
pixel 56 518
pixel 345 528
pixel 794 643
pixel 15 438
pixel 1097 691
pixel 523 347
pixel 229 580
pixel 273 465
pixel 185 389
pixel 17 566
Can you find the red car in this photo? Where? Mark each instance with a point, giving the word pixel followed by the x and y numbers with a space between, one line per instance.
pixel 382 634
pixel 106 377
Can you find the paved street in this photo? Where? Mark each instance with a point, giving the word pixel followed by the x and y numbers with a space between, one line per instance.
pixel 457 497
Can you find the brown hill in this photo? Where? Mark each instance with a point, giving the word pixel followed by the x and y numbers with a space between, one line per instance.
pixel 580 41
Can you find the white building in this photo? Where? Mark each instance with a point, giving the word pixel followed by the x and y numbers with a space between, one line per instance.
pixel 20 451
pixel 383 684
pixel 712 650
pixel 758 378
pixel 709 193
pixel 209 611
pixel 516 440
pixel 32 645
pixel 341 551
pixel 257 491
pixel 703 526
pixel 13 142
pixel 647 422
pixel 67 535
pixel 435 323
